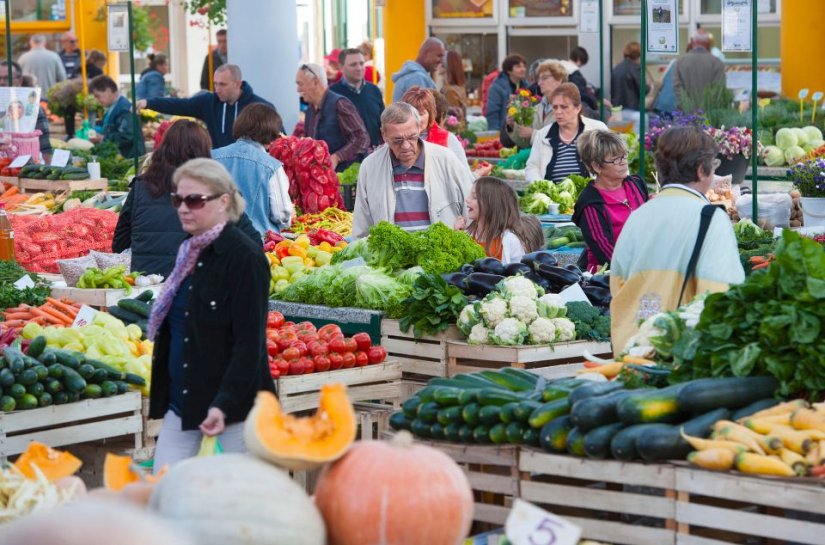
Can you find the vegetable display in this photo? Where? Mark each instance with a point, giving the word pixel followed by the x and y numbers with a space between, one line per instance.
pixel 290 260
pixel 591 322
pixel 10 296
pixel 113 277
pixel 22 494
pixel 792 145
pixel 331 219
pixel 134 311
pixel 53 312
pixel 45 172
pixel 313 184
pixel 349 176
pixel 432 307
pixel 538 195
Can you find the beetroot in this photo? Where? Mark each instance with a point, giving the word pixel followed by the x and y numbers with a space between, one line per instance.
pixel 313 183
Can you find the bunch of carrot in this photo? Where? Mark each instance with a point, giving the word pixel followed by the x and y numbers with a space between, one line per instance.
pixel 761 262
pixel 59 312
pixel 13 198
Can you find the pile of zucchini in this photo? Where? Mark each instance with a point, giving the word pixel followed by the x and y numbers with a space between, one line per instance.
pixel 135 310
pixel 584 418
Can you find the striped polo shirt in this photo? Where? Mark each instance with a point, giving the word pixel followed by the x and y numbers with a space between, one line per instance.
pixel 567 161
pixel 412 207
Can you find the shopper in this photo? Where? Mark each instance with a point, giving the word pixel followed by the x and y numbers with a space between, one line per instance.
pixel 148 223
pixel 364 95
pixel 332 66
pixel 549 75
pixel 554 155
pixel 696 71
pixel 218 110
pixel 260 177
pixel 417 72
pixel 152 84
pixel 407 181
pixel 496 222
pixel 209 322
pixel 332 118
pixel 118 124
pixel 508 82
pixel 43 64
pixel 220 56
pixel 676 246
pixel 454 91
pixel 370 73
pixel 626 79
pixel 605 204
pixel 95 61
pixel 70 55
pixel 578 58
pixel 424 102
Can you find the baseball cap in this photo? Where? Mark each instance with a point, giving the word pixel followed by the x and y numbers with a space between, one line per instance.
pixel 333 55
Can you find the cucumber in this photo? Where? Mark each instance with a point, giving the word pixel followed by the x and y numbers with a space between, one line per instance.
pixel 524 409
pixel 489 415
pixel 48 358
pixel 13 358
pixel 703 395
pixel 754 407
pixel 26 402
pixel 511 382
pixel 497 397
pixel 651 406
pixel 593 412
pixel 60 398
pixel 7 404
pixel 475 381
pixel 72 380
pixel 35 389
pixel 553 436
pixel 468 395
pixel 449 415
pixel 42 372
pixel 67 359
pixel 515 432
pixel 498 434
pixel 145 296
pixel 446 396
pixel 575 443
pixel 410 407
pixel 426 394
pixel 549 411
pixel 124 315
pixel 36 347
pixel 73 396
pixel 138 307
pixel 27 377
pixel 45 399
pixel 428 412
pixel 108 388
pixel 623 444
pixel 136 380
pixel 53 386
pixel 55 371
pixel 469 414
pixel 465 434
pixel 451 432
pixel 437 432
pixel 594 389
pixel 530 436
pixel 420 429
pixel 17 391
pixel 668 444
pixel 93 391
pixel 508 412
pixel 532 378
pixel 6 377
pixel 597 442
pixel 98 376
pixel 122 387
pixel 557 391
pixel 86 371
pixel 481 435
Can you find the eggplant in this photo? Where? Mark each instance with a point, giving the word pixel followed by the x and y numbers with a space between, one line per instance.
pixel 600 280
pixel 599 296
pixel 573 268
pixel 467 269
pixel 558 276
pixel 489 265
pixel 539 281
pixel 456 279
pixel 534 259
pixel 517 268
pixel 481 284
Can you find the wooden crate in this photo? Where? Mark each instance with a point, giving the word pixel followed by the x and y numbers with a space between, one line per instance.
pixel 100 297
pixel 151 426
pixel 381 382
pixel 93 456
pixel 72 423
pixel 616 502
pixel 31 185
pixel 467 358
pixel 10 180
pixel 424 357
pixel 373 419
pixel 714 508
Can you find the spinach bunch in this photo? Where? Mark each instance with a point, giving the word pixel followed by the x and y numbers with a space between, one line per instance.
pixel 432 307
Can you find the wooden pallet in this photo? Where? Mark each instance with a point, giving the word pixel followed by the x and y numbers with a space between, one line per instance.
pixel 467 358
pixel 30 184
pixel 424 357
pixel 72 423
pixel 380 382
pixel 616 502
pixel 714 508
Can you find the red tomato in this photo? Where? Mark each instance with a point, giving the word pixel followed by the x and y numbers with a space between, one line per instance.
pixel 322 363
pixel 327 331
pixel 300 345
pixel 282 365
pixel 337 345
pixel 350 345
pixel 349 360
pixel 296 367
pixel 363 341
pixel 289 325
pixel 307 336
pixel 305 326
pixel 361 358
pixel 274 373
pixel 308 363
pixel 272 347
pixel 318 348
pixel 336 360
pixel 377 354
pixel 274 320
pixel 285 340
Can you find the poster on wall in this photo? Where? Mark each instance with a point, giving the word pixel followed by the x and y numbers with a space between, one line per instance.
pixel 118 28
pixel 461 9
pixel 662 27
pixel 18 108
pixel 589 16
pixel 736 25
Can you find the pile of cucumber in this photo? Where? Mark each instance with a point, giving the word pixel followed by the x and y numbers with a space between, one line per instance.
pixel 45 376
pixel 45 172
pixel 565 236
pixel 580 417
pixel 135 310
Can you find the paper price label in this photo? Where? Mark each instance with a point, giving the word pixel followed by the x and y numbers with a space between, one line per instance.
pixel 529 525
pixel 20 161
pixel 84 316
pixel 61 157
pixel 24 282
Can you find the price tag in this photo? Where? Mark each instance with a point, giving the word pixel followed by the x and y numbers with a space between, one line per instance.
pixel 61 157
pixel 24 282
pixel 574 292
pixel 84 316
pixel 20 161
pixel 529 525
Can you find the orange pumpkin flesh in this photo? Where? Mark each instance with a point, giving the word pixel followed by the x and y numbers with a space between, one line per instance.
pixel 298 443
pixel 118 472
pixel 395 492
pixel 54 464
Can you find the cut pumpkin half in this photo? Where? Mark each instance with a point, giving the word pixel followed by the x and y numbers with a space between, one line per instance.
pixel 54 464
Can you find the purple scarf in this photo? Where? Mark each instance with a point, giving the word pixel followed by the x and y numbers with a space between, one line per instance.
pixel 184 264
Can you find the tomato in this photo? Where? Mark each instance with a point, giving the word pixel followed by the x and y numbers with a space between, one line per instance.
pixel 305 326
pixel 327 331
pixel 308 363
pixel 296 367
pixel 282 365
pixel 336 360
pixel 337 345
pixel 285 340
pixel 307 336
pixel 361 358
pixel 363 341
pixel 322 363
pixel 291 353
pixel 349 361
pixel 318 348
pixel 377 354
pixel 301 346
pixel 289 326
pixel 350 345
pixel 274 320
pixel 272 347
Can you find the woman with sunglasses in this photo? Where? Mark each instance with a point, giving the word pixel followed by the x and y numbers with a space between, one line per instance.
pixel 605 204
pixel 209 322
pixel 148 224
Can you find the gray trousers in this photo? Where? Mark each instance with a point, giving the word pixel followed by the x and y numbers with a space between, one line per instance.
pixel 175 445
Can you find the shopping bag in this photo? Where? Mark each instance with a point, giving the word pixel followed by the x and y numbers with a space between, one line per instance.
pixel 210 446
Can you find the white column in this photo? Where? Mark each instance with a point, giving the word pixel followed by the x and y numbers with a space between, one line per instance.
pixel 263 41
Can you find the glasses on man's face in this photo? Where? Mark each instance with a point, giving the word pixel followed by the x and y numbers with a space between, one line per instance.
pixel 621 160
pixel 194 201
pixel 310 70
pixel 401 140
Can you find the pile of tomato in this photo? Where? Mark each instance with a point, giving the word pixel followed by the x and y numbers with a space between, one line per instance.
pixel 300 349
pixel 485 149
pixel 5 169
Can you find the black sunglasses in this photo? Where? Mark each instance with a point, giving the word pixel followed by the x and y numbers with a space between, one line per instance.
pixel 193 201
pixel 310 70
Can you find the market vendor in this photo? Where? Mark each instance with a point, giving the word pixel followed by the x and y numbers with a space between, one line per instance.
pixel 407 181
pixel 676 246
pixel 605 203
pixel 118 125
pixel 554 155
pixel 549 75
pixel 209 322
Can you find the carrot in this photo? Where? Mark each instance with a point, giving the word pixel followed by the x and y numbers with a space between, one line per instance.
pixel 758 259
pixel 591 364
pixel 10 191
pixel 62 306
pixel 17 315
pixel 56 314
pixel 11 324
pixel 764 265
pixel 48 317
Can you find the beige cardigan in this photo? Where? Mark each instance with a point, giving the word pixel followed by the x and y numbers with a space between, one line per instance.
pixel 446 181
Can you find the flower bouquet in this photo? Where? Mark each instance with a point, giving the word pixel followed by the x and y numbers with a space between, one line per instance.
pixel 733 141
pixel 521 107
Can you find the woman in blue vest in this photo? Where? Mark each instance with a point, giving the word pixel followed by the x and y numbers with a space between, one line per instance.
pixel 260 177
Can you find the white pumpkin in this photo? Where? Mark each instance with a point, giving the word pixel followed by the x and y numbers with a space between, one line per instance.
pixel 234 499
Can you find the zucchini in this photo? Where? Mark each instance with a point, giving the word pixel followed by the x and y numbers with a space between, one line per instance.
pixel 754 408
pixel 481 434
pixel 549 411
pixel 498 434
pixel 593 412
pixel 420 429
pixel 668 444
pixel 448 382
pixel 475 381
pixel 449 415
pixel 521 373
pixel 575 443
pixel 145 296
pixel 530 436
pixel 469 414
pixel 508 412
pixel 557 391
pixel 138 307
pixel 469 395
pixel 446 396
pixel 426 394
pixel 651 406
pixel 451 432
pixel 136 380
pixel 428 412
pixel 489 396
pixel 515 433
pixel 67 359
pixel 525 409
pixel 489 415
pixel 597 442
pixel 72 380
pixel 594 389
pixel 553 436
pixel 410 407
pixel 511 382
pixel 623 444
pixel 437 432
pixel 703 395
pixel 36 347
pixel 465 434
pixel 124 315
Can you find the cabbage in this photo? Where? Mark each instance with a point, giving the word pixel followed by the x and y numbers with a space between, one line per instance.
pixel 786 138
pixel 813 133
pixel 801 137
pixel 535 203
pixel 567 185
pixel 794 154
pixel 773 156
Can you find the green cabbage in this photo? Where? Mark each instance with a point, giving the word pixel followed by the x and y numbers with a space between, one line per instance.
pixel 801 136
pixel 773 156
pixel 535 203
pixel 813 133
pixel 786 138
pixel 794 154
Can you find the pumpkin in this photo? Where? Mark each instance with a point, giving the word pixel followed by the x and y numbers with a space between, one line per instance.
pixel 298 443
pixel 395 492
pixel 54 464
pixel 235 499
pixel 120 477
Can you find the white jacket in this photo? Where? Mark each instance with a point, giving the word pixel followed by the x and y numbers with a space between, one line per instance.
pixel 446 181
pixel 541 153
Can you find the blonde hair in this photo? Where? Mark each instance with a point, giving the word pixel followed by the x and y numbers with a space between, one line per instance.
pixel 595 146
pixel 554 68
pixel 213 175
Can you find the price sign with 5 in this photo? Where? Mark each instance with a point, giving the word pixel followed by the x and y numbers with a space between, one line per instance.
pixel 529 525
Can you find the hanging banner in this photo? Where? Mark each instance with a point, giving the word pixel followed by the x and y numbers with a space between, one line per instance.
pixel 662 27
pixel 736 25
pixel 589 16
pixel 118 28
pixel 18 108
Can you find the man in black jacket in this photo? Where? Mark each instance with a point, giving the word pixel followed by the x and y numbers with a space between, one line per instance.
pixel 219 58
pixel 366 96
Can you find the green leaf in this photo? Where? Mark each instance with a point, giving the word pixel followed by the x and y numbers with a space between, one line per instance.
pixel 744 360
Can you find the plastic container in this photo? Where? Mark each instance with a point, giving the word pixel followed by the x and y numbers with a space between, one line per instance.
pixel 774 208
pixel 6 236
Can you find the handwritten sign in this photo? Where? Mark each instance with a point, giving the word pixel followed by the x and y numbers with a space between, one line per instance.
pixel 20 161
pixel 24 282
pixel 84 316
pixel 529 525
pixel 61 157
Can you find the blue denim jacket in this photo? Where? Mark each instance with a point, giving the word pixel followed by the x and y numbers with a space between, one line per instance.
pixel 151 85
pixel 252 168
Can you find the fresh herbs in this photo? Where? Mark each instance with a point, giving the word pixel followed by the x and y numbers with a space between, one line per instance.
pixel 10 296
pixel 432 307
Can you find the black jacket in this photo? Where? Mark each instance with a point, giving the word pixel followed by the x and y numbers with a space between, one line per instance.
pixel 626 85
pixel 216 62
pixel 225 356
pixel 150 227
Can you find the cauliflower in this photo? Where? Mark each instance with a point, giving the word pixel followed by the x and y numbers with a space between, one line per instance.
pixel 542 331
pixel 509 332
pixel 523 309
pixel 551 305
pixel 493 310
pixel 479 335
pixel 468 318
pixel 565 329
pixel 519 285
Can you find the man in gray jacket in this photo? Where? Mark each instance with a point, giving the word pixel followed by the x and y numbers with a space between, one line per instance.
pixel 417 72
pixel 694 72
pixel 43 64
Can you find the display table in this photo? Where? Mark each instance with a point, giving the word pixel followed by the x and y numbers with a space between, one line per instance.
pixel 469 358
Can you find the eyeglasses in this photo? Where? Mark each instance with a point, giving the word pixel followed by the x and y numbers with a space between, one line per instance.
pixel 400 141
pixel 310 70
pixel 545 77
pixel 193 201
pixel 621 160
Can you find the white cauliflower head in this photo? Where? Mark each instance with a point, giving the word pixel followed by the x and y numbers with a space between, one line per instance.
pixel 509 332
pixel 542 331
pixel 519 285
pixel 551 305
pixel 479 335
pixel 565 330
pixel 523 309
pixel 468 318
pixel 493 310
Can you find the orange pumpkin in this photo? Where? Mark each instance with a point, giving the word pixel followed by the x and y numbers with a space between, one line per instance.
pixel 395 492
pixel 295 442
pixel 54 464
pixel 118 474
